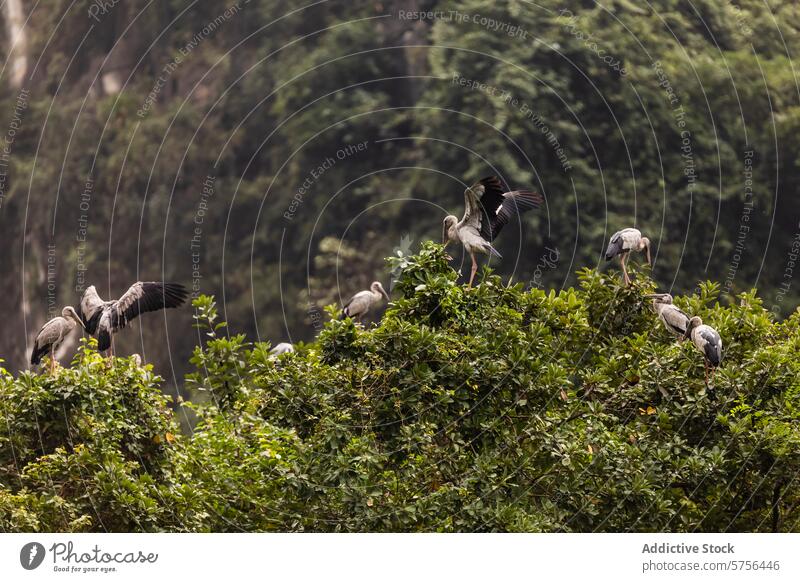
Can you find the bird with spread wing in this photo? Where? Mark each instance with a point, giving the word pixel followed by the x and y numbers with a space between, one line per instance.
pixel 103 319
pixel 489 207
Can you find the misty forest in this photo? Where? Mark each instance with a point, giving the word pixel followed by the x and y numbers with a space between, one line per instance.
pixel 258 163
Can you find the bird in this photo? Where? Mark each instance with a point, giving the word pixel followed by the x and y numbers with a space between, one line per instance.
pixel 488 208
pixel 707 341
pixel 675 320
pixel 102 319
pixel 360 303
pixel 622 243
pixel 52 334
pixel 281 348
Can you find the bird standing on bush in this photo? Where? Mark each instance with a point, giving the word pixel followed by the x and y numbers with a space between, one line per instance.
pixel 281 348
pixel 360 303
pixel 102 319
pixel 488 208
pixel 675 320
pixel 621 245
pixel 708 342
pixel 52 335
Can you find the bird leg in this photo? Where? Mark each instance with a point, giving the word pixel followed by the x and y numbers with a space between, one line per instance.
pixel 474 269
pixel 625 269
pixel 706 366
pixel 52 362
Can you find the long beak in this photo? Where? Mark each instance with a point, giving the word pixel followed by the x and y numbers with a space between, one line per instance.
pixel 385 294
pixel 445 239
pixel 649 260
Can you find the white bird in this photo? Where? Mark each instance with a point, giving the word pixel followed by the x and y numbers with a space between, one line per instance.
pixel 360 303
pixel 281 348
pixel 103 319
pixel 707 341
pixel 488 208
pixel 52 335
pixel 621 245
pixel 675 320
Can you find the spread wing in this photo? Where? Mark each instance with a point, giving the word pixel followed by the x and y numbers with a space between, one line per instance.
pixel 514 204
pixel 490 207
pixel 473 211
pixel 91 309
pixel 143 297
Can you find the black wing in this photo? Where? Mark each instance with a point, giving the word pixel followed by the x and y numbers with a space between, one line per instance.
pixel 38 352
pixel 346 308
pixel 675 319
pixel 713 347
pixel 514 203
pixel 615 246
pixel 144 297
pixel 500 206
pixel 45 339
pixel 91 309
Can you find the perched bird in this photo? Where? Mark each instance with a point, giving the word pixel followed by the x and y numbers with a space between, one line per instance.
pixel 360 303
pixel 52 334
pixel 488 208
pixel 708 342
pixel 675 320
pixel 281 348
pixel 103 319
pixel 621 245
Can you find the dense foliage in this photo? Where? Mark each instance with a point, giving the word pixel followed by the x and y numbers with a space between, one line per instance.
pixel 122 128
pixel 482 409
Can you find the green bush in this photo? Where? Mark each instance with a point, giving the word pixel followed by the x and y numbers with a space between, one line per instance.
pixel 483 409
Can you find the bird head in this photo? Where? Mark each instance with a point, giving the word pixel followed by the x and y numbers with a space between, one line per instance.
pixel 644 245
pixel 449 222
pixel 693 323
pixel 660 298
pixel 69 313
pixel 376 287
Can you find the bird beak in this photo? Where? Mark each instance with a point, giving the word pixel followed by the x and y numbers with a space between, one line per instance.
pixel 385 294
pixel 83 326
pixel 445 240
pixel 649 260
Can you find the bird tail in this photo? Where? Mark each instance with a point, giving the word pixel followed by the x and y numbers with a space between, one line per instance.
pixel 37 353
pixel 614 248
pixel 103 340
pixel 493 252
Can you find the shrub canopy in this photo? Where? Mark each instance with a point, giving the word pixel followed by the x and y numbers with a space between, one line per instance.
pixel 485 409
